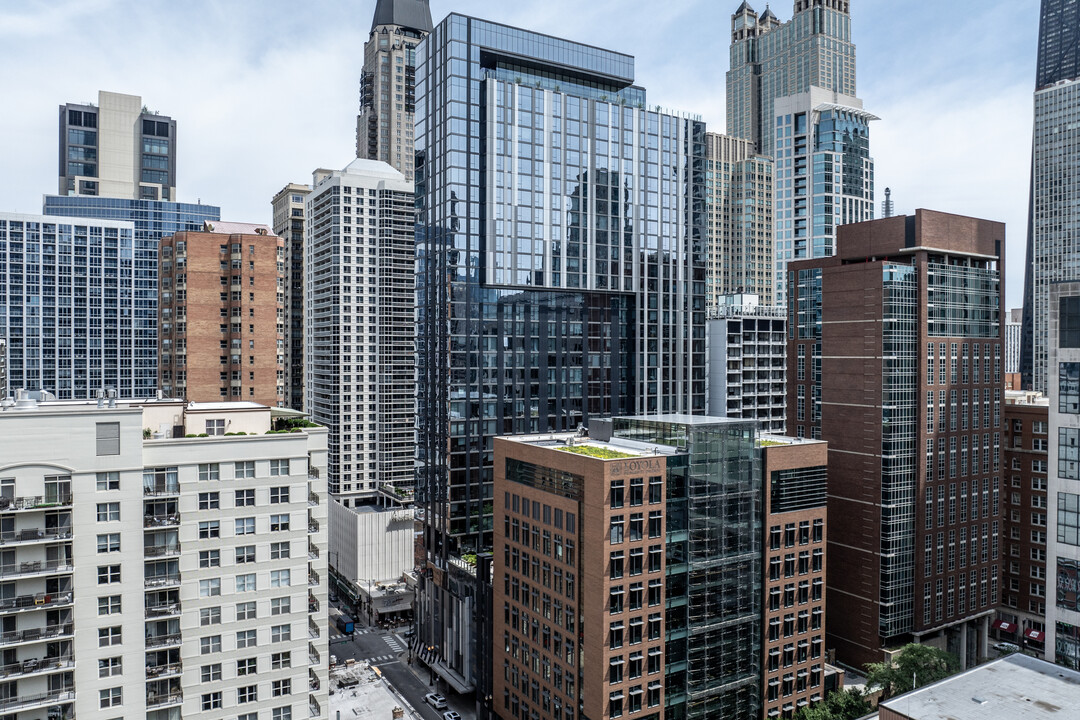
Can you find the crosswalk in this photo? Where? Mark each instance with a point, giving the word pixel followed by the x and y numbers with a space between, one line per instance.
pixel 338 635
pixel 381 659
pixel 394 645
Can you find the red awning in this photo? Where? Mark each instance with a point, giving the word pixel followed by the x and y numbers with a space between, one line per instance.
pixel 1034 635
pixel 1005 626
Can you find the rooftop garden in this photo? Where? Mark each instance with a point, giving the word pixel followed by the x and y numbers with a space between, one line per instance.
pixel 770 443
pixel 596 452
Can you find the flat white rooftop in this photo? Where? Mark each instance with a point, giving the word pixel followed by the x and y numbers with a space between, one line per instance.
pixel 1013 687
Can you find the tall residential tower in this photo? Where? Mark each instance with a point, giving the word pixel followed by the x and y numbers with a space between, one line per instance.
pixel 1053 250
pixel 384 127
pixel 288 207
pixel 902 335
pixel 560 275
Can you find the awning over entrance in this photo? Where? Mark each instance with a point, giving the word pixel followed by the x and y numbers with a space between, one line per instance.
pixel 1034 635
pixel 1005 626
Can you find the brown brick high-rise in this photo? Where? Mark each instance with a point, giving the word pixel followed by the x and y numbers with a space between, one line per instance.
pixel 222 315
pixel 896 356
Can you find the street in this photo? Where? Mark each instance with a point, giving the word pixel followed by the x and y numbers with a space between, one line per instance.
pixel 389 653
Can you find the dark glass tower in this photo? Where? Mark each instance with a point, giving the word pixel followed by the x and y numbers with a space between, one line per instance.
pixel 1051 223
pixel 560 276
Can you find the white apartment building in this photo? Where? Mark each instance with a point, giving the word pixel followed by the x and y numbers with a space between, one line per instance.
pixel 746 357
pixel 1063 477
pixel 161 560
pixel 360 325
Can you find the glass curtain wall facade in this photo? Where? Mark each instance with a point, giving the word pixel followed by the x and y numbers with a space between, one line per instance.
pixel 713 565
pixel 1055 183
pixel 74 309
pixel 560 268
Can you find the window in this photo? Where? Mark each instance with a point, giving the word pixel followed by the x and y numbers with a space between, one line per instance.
pixel 210 673
pixel 109 667
pixel 279 522
pixel 280 633
pixel 245 582
pixel 209 558
pixel 210 615
pixel 279 578
pixel 616 529
pixel 108 543
pixel 108 512
pixel 245 639
pixel 245 526
pixel 247 666
pixel 209 471
pixel 109 636
pixel 281 687
pixel 281 660
pixel 210 645
pixel 616 494
pixel 209 501
pixel 279 495
pixel 279 550
pixel 1069 452
pixel 108 481
pixel 246 610
pixel 1069 322
pixel 245 554
pixel 247 693
pixel 210 588
pixel 211 701
pixel 108 439
pixel 280 606
pixel 108 574
pixel 245 498
pixel 110 697
pixel 244 469
pixel 281 713
pixel 1068 522
pixel 109 605
pixel 1069 388
pixel 215 427
pixel 209 529
pixel 279 467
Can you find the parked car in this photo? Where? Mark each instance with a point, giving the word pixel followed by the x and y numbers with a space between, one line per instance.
pixel 1006 647
pixel 435 700
pixel 451 715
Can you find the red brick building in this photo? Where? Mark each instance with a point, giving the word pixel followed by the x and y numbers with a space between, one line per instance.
pixel 895 349
pixel 1022 618
pixel 793 653
pixel 221 323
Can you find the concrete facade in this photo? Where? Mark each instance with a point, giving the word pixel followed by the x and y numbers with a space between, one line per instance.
pixel 117 149
pixel 1063 477
pixel 185 575
pixel 372 544
pixel 288 208
pixel 222 317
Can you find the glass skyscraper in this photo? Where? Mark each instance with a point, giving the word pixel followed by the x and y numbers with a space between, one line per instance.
pixel 560 275
pixel 1053 248
pixel 151 220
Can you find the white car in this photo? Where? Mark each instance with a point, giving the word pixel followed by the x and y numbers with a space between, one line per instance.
pixel 451 715
pixel 435 700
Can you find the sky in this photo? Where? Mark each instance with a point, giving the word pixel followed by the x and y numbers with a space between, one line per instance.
pixel 265 91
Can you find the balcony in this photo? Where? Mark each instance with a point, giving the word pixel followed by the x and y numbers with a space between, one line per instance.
pixel 156 700
pixel 33 535
pixel 163 610
pixel 156 641
pixel 37 666
pixel 313 630
pixel 156 672
pixel 160 581
pixel 312 499
pixel 40 601
pixel 34 503
pixel 157 490
pixel 37 567
pixel 312 526
pixel 313 578
pixel 27 702
pixel 162 550
pixel 36 634
pixel 312 552
pixel 156 521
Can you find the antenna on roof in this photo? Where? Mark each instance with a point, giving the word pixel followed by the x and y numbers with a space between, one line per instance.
pixel 887 208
